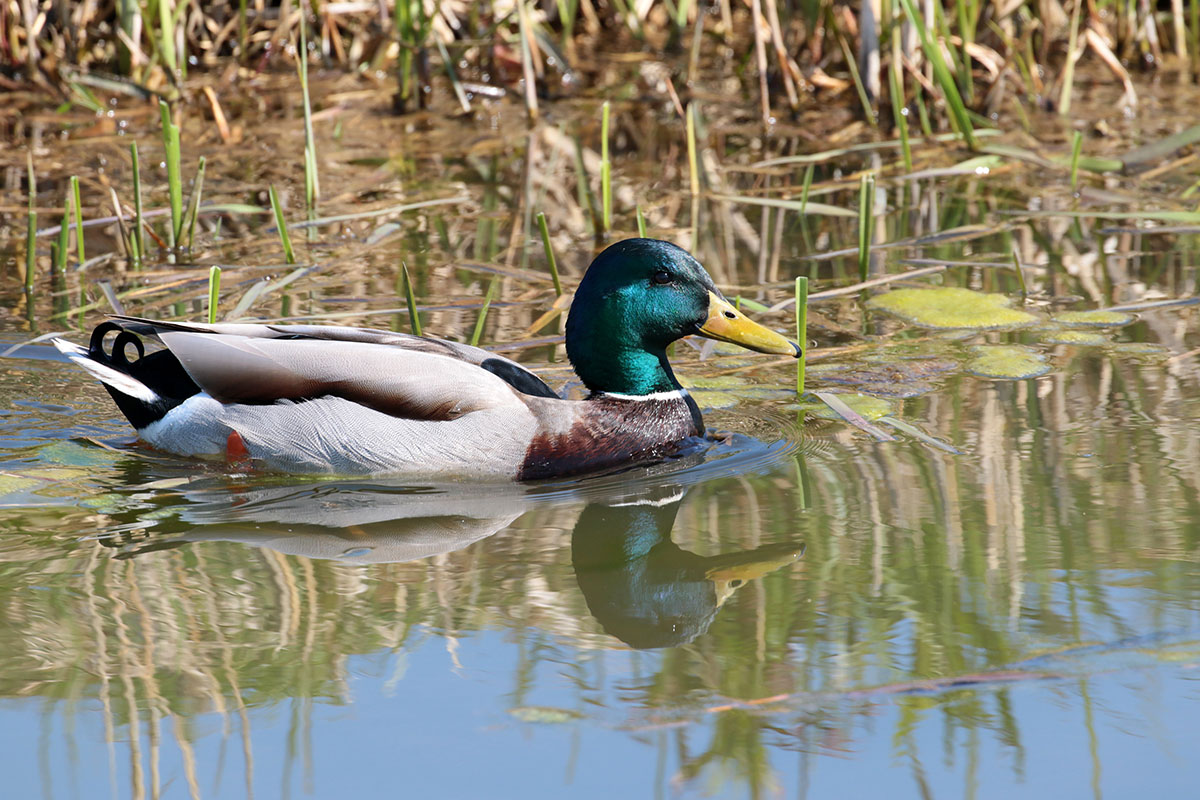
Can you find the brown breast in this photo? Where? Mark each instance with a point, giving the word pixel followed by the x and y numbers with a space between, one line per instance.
pixel 612 431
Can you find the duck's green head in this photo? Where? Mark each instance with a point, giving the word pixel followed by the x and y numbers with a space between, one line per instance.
pixel 637 297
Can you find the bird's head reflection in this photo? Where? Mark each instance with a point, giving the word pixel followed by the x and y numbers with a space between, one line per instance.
pixel 646 590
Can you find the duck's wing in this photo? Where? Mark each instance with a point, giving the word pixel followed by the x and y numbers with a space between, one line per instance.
pixel 398 374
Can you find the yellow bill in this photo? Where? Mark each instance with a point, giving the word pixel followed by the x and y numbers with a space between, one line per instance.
pixel 726 324
pixel 731 571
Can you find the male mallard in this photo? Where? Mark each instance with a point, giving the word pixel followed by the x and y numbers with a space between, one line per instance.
pixel 315 398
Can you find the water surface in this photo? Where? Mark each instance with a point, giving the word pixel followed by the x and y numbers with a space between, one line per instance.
pixel 801 611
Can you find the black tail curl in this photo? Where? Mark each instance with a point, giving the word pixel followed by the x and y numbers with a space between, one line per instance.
pixel 160 371
pixel 117 358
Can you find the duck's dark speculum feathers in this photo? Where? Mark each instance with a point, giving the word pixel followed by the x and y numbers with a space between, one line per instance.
pixel 160 372
pixel 521 380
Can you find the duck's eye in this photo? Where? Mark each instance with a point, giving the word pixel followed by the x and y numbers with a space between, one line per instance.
pixel 662 277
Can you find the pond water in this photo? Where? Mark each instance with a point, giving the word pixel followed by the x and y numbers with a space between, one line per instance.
pixel 991 589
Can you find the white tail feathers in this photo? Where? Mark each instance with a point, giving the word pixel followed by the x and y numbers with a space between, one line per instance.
pixel 125 384
pixel 68 348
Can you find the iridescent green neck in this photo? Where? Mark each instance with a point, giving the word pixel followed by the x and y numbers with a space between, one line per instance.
pixel 618 367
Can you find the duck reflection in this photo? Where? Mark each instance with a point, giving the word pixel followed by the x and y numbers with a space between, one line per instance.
pixel 641 586
pixel 348 523
pixel 648 591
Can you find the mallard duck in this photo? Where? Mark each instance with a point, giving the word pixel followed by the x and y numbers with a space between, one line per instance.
pixel 356 401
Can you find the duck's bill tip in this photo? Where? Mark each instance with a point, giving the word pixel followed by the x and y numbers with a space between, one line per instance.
pixel 726 324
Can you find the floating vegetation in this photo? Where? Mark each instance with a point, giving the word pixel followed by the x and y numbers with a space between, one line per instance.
pixel 952 307
pixel 1007 362
pixel 1146 350
pixel 903 378
pixel 14 484
pixel 726 391
pixel 1082 338
pixel 544 715
pixel 867 406
pixel 1093 319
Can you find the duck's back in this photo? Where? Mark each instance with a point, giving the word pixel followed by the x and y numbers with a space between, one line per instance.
pixel 320 399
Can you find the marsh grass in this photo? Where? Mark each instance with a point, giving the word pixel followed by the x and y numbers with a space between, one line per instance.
pixel 942 75
pixel 1068 81
pixel 866 222
pixel 214 292
pixel 526 48
pixel 31 220
pixel 477 333
pixel 899 109
pixel 801 330
pixel 77 208
pixel 139 222
pixel 771 44
pixel 551 261
pixel 312 184
pixel 693 162
pixel 1020 275
pixel 193 207
pixel 61 246
pixel 171 149
pixel 1076 149
pixel 285 239
pixel 410 298
pixel 413 26
pixel 605 172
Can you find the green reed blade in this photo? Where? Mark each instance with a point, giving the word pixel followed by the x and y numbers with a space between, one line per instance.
pixel 78 211
pixel 550 259
pixel 899 108
pixel 682 7
pixel 214 291
pixel 641 223
pixel 31 232
pixel 852 63
pixel 1020 274
pixel 966 29
pixel 414 316
pixel 605 171
pixel 460 93
pixel 243 30
pixel 64 232
pixel 170 136
pixel 1068 79
pixel 567 10
pixel 693 164
pixel 531 101
pixel 487 302
pixel 804 189
pixel 583 188
pixel 1076 149
pixel 166 33
pixel 128 244
pixel 288 254
pixel 139 233
pixel 943 78
pixel 1194 29
pixel 866 220
pixel 923 112
pixel 801 329
pixel 312 183
pixel 194 202
pixel 746 304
